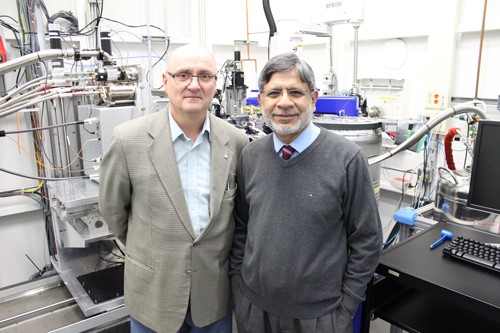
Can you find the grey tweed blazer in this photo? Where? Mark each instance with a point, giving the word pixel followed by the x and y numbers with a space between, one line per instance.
pixel 142 200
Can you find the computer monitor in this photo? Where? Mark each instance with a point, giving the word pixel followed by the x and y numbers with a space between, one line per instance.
pixel 484 190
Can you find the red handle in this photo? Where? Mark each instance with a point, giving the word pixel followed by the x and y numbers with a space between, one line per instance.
pixel 448 152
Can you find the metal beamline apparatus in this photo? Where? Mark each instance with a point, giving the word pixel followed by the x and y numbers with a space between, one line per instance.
pixel 80 107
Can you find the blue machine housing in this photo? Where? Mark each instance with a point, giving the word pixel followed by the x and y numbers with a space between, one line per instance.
pixel 328 105
pixel 252 101
pixel 337 104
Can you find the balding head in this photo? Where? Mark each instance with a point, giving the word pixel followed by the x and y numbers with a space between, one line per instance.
pixel 191 51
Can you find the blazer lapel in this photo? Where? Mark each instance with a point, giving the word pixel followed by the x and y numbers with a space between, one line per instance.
pixel 221 157
pixel 162 154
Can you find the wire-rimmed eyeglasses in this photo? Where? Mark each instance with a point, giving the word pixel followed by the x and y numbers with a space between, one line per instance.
pixel 188 77
pixel 292 93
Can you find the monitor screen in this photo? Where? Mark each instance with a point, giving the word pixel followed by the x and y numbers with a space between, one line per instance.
pixel 484 190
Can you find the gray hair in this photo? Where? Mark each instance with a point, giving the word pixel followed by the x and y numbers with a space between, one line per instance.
pixel 287 62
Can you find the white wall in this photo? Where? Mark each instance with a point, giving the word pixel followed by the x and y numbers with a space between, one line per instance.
pixel 22 235
pixel 426 59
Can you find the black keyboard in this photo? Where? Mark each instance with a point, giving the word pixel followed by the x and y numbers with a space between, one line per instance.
pixel 475 252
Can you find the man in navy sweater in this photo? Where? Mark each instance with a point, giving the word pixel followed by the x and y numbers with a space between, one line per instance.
pixel 308 235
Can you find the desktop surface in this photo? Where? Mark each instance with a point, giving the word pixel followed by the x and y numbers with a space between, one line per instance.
pixel 433 276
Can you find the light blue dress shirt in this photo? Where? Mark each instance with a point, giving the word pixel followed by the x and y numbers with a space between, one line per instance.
pixel 304 140
pixel 193 160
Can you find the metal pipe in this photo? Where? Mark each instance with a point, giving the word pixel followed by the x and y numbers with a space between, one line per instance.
pixel 355 69
pixel 330 31
pixel 480 49
pixel 248 44
pixel 44 55
pixel 150 50
pixel 422 131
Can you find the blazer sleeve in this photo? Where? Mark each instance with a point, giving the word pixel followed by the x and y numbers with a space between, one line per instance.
pixel 115 188
pixel 240 221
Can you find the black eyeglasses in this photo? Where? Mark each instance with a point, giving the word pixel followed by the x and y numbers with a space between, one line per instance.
pixel 293 93
pixel 187 77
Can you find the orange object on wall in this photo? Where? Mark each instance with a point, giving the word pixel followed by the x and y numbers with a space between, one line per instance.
pixel 3 54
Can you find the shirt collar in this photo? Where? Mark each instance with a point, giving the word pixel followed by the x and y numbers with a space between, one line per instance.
pixel 176 131
pixel 301 142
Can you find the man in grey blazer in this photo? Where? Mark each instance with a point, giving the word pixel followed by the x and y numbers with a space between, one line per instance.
pixel 167 186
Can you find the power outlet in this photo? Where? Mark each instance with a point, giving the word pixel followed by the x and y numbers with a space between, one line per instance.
pixel 437 100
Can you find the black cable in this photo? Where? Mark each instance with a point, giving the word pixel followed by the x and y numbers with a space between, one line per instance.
pixel 49 231
pixel 424 171
pixel 9 26
pixel 222 70
pixel 80 32
pixel 397 226
pixel 118 247
pixel 30 195
pixel 37 275
pixel 132 26
pixel 162 56
pixel 41 178
pixel 98 16
pixel 13 19
pixel 43 128
pixel 394 231
pixel 223 65
pixel 111 252
pixel 466 151
pixel 45 269
pixel 38 269
pixel 90 115
pixel 94 29
pixel 46 71
pixel 18 79
pixel 44 9
pixel 104 259
pixel 403 188
pixel 426 157
pixel 449 172
pixel 42 147
pixel 15 32
pixel 6 91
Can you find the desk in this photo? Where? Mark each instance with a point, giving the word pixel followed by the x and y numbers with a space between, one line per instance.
pixel 420 290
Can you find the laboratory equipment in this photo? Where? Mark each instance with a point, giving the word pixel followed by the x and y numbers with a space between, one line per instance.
pixel 84 253
pixel 236 91
pixel 339 105
pixel 472 198
pixel 366 133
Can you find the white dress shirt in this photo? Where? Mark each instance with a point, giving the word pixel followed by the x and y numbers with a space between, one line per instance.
pixel 304 140
pixel 193 160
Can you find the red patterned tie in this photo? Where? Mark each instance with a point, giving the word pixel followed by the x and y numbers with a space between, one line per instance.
pixel 287 152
